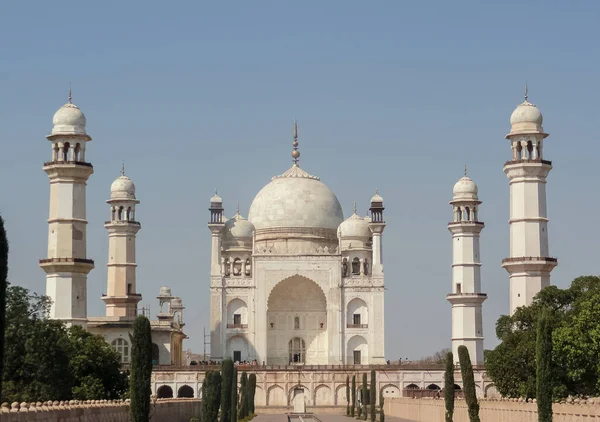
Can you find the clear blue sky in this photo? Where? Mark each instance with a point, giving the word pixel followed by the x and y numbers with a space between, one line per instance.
pixel 390 94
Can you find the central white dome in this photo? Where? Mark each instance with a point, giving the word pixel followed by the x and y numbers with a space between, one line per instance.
pixel 295 200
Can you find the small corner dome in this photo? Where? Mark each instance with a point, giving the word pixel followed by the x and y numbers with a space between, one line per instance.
pixel 216 199
pixel 354 226
pixel 465 189
pixel 122 188
pixel 68 120
pixel 377 198
pixel 238 227
pixel 165 291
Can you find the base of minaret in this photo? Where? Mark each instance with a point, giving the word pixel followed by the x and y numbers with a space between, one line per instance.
pixel 467 324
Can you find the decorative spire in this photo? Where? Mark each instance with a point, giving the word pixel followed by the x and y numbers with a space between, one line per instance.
pixel 238 207
pixel 70 94
pixel 123 168
pixel 295 152
pixel 355 206
pixel 526 92
pixel 216 193
pixel 376 191
pixel 465 174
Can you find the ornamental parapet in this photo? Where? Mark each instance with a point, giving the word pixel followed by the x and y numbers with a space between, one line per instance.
pixel 61 163
pixel 66 260
pixel 532 161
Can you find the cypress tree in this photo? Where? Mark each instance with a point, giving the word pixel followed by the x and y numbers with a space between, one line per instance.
pixel 347 395
pixel 234 396
pixel 469 383
pixel 244 396
pixel 381 410
pixel 226 375
pixel 251 392
pixel 449 387
pixel 3 286
pixel 373 397
pixel 206 396
pixel 141 370
pixel 211 396
pixel 352 409
pixel 365 393
pixel 543 357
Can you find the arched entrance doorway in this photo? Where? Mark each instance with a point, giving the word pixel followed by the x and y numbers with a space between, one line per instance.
pixel 297 323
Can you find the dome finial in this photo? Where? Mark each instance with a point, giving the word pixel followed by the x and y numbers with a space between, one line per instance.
pixel 216 193
pixel 70 94
pixel 526 92
pixel 465 173
pixel 123 168
pixel 355 206
pixel 238 207
pixel 295 152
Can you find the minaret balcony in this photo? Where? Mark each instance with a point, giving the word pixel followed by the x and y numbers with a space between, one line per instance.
pixel 525 161
pixel 466 298
pixel 64 163
pixel 123 222
pixel 238 326
pixel 531 263
pixel 79 265
pixel 357 325
pixel 466 223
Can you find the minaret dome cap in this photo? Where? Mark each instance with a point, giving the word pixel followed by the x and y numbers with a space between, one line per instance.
pixel 376 198
pixel 69 120
pixel 122 188
pixel 465 190
pixel 526 118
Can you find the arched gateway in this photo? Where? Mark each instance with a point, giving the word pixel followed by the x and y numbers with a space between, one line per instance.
pixel 297 320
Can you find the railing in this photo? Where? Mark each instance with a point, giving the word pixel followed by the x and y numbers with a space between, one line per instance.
pixel 77 260
pixel 537 160
pixel 300 367
pixel 480 223
pixel 237 325
pixel 137 223
pixel 357 325
pixel 467 294
pixel 80 163
pixel 529 258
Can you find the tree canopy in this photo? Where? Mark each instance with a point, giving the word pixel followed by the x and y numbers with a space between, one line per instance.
pixel 574 317
pixel 45 360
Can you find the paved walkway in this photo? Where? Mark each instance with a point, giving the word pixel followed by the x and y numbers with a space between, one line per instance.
pixel 323 418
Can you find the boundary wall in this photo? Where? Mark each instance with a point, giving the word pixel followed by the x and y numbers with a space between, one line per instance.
pixel 503 410
pixel 177 410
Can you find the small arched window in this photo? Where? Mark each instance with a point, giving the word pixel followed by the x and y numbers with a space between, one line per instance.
pixel 121 209
pixel 248 267
pixel 356 266
pixel 129 214
pixel 237 267
pixel 519 151
pixel 344 267
pixel 296 323
pixel 77 150
pixel 529 150
pixel 227 267
pixel 122 347
pixel 66 148
pixel 366 264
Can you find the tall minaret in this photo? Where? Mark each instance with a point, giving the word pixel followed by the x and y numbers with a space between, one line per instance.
pixel 529 265
pixel 466 297
pixel 377 225
pixel 121 295
pixel 217 331
pixel 67 265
